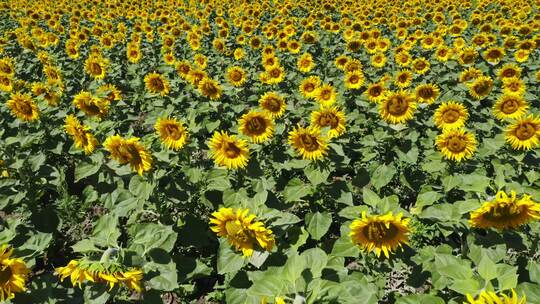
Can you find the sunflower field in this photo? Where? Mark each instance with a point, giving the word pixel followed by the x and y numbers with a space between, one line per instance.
pixel 270 151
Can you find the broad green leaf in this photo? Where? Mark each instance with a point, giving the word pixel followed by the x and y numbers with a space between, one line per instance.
pixel 227 260
pixel 318 224
pixel 487 268
pixel 382 176
pixel 86 169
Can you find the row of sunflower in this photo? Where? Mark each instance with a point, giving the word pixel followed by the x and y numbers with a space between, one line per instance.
pixel 297 131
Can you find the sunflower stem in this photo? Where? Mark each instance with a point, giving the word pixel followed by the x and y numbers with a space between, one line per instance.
pixel 105 257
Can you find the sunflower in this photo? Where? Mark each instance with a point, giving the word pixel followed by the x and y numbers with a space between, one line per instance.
pixel 521 55
pixel 443 53
pixel 308 142
pixel 397 107
pixel 258 126
pixel 7 67
pixel 420 66
pixel 494 55
pixel 380 233
pixel 467 56
pixel 524 134
pixel 305 63
pixel 403 59
pixel 354 80
pixel 375 92
pixel 505 212
pixel 6 84
pixel 81 134
pixel 489 297
pixel 450 115
pixel 156 83
pixel 242 230
pixel 427 93
pixel 273 104
pixel 129 151
pixel 13 274
pixel 229 151
pixel 509 70
pixel 96 66
pixel 481 87
pixel 326 95
pixel 275 74
pixel 456 145
pixel 22 106
pixel 329 117
pixel 109 92
pixel 172 132
pixel 308 86
pixel 183 68
pixel 91 105
pixel 236 76
pixel 341 61
pixel 209 88
pixel 469 74
pixel 510 107
pixel 403 79
pixel 378 60
pixel 513 85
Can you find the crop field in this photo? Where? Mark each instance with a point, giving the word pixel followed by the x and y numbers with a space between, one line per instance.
pixel 270 151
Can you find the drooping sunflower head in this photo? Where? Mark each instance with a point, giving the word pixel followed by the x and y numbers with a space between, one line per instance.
pixel 451 115
pixel 329 117
pixel 354 80
pixel 242 230
pixel 273 103
pixel 229 151
pixel 258 126
pixel 91 105
pixel 13 274
pixel 510 107
pixel 210 88
pixel 236 76
pixel 156 83
pixel 489 297
pixel 456 144
pixel 129 151
pixel 380 233
pixel 96 66
pixel 427 93
pixel 397 107
pixel 23 107
pixel 308 86
pixel 524 134
pixel 326 95
pixel 505 212
pixel 375 92
pixel 308 142
pixel 481 87
pixel 84 139
pixel 172 132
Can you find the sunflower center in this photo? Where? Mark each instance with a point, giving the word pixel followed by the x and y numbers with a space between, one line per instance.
pixel 24 107
pixel 329 119
pixel 450 116
pixel 134 53
pixel 503 212
pixel 275 73
pixel 256 125
pixel 231 150
pixel 482 88
pixel 525 131
pixel 309 87
pixel 354 79
pixel 456 144
pixel 326 94
pixel 272 104
pixel 509 73
pixel 173 132
pixel 157 84
pixel 309 142
pixel 510 106
pixel 420 65
pixel 5 275
pixel 210 89
pixel 403 78
pixel 397 105
pixel 426 93
pixel 92 108
pixel 236 76
pixel 95 68
pixel 6 69
pixel 379 232
pixel 375 91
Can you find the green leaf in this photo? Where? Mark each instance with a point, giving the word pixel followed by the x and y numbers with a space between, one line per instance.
pixel 318 224
pixel 269 286
pixel 382 176
pixel 487 268
pixel 167 277
pixel 343 247
pixel 420 299
pixel 227 260
pixel 295 190
pixel 105 231
pixel 147 236
pixel 427 199
pixel 140 188
pixel 371 198
pixel 534 271
pixel 315 176
pixel 468 286
pixel 508 277
pixel 316 259
pixel 85 246
pixel 85 170
pixel 293 267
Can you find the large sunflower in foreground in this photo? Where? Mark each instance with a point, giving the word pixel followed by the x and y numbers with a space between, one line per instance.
pixel 229 151
pixel 450 115
pixel 397 107
pixel 242 230
pixel 380 233
pixel 84 139
pixel 172 132
pixel 258 126
pixel 13 274
pixel 129 151
pixel 308 142
pixel 23 107
pixel 489 297
pixel 505 212
pixel 156 83
pixel 510 107
pixel 329 117
pixel 273 103
pixel 524 134
pixel 456 145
